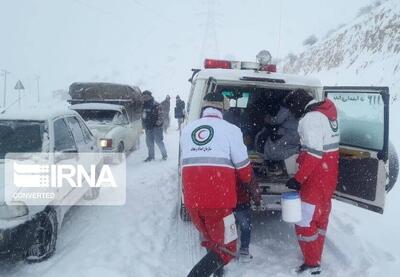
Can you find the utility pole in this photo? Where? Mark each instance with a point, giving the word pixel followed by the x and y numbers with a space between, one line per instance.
pixel 37 77
pixel 4 73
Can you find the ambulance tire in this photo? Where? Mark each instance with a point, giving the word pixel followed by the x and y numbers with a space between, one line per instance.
pixel 393 167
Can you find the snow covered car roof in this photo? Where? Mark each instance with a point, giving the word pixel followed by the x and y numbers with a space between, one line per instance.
pixel 37 114
pixel 253 75
pixel 102 91
pixel 96 106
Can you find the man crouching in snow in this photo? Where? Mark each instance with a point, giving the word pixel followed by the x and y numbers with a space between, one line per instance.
pixel 213 154
pixel 317 176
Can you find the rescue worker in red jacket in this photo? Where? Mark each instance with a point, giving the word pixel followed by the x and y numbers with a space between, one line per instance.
pixel 317 175
pixel 213 155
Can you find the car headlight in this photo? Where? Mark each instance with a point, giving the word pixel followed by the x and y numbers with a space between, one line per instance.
pixel 13 211
pixel 106 143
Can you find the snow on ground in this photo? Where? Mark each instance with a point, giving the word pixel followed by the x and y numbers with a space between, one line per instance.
pixel 146 237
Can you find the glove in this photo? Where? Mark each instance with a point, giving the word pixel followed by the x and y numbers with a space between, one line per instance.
pixel 255 192
pixel 293 184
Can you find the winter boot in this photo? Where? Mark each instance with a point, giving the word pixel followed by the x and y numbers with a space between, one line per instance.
pixel 306 269
pixel 244 255
pixel 208 265
pixel 148 159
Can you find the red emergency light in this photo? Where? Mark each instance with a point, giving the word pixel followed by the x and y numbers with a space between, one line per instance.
pixel 269 68
pixel 224 64
pixel 210 63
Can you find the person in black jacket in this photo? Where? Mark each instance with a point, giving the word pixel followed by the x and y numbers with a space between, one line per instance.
pixel 179 111
pixel 152 121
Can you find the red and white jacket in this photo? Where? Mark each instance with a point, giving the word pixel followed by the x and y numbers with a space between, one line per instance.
pixel 319 156
pixel 213 155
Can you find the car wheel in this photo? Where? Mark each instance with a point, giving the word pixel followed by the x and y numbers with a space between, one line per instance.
pixel 184 213
pixel 393 167
pixel 45 236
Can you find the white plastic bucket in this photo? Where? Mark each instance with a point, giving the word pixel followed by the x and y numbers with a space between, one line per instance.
pixel 291 207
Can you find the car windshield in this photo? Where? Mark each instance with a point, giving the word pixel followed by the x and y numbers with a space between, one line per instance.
pixel 20 136
pixel 101 116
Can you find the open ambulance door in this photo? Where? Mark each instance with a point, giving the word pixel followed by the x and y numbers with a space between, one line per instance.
pixel 363 117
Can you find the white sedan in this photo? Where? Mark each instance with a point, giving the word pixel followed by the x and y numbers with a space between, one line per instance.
pixel 28 230
pixel 111 125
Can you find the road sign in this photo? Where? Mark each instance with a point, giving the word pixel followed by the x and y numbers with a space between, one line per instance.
pixel 19 85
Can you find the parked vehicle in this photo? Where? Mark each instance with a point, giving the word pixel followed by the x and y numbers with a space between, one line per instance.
pixel 30 231
pixel 368 161
pixel 112 112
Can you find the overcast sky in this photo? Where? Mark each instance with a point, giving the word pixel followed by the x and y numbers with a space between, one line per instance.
pixel 137 41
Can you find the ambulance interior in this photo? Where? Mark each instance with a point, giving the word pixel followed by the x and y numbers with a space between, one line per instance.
pixel 250 106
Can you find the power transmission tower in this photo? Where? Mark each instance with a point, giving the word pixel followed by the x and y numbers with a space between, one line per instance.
pixel 4 73
pixel 210 42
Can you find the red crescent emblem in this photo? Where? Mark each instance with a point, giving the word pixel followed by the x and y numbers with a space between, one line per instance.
pixel 199 134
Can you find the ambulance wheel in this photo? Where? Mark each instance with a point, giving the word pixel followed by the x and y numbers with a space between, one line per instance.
pixel 184 213
pixel 393 167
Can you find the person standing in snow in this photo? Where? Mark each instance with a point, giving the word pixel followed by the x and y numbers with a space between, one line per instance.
pixel 213 156
pixel 317 176
pixel 243 216
pixel 179 111
pixel 152 121
pixel 166 107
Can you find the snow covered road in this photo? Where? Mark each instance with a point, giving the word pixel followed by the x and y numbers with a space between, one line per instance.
pixel 146 237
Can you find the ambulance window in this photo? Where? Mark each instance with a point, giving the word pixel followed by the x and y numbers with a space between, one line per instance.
pixel 237 99
pixel 361 119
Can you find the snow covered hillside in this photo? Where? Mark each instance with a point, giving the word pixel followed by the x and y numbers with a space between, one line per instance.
pixel 365 52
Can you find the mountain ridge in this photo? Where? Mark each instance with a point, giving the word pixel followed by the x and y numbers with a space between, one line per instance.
pixel 364 52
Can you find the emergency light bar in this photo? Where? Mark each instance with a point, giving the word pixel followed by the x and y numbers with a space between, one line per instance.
pixel 225 64
pixel 209 63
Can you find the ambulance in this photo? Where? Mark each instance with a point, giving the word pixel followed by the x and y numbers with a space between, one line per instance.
pixel 368 165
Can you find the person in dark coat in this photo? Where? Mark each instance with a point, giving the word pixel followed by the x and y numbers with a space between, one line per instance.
pixel 152 121
pixel 179 111
pixel 243 215
pixel 166 107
